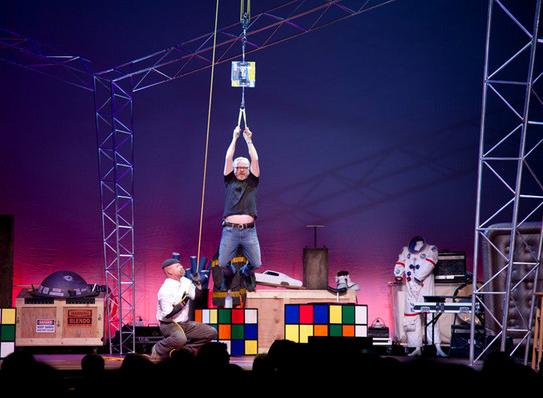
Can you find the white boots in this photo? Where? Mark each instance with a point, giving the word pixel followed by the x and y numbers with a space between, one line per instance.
pixel 418 352
pixel 439 352
pixel 343 281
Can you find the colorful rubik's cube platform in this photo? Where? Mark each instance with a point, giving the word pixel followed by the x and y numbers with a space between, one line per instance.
pixel 7 331
pixel 236 327
pixel 323 319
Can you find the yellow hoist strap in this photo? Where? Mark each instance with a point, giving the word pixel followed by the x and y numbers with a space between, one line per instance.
pixel 242 9
pixel 207 135
pixel 234 260
pixel 236 293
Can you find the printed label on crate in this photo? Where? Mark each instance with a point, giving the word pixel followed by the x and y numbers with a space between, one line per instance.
pixel 79 318
pixel 45 326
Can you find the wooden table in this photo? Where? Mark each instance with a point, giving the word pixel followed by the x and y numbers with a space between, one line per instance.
pixel 271 304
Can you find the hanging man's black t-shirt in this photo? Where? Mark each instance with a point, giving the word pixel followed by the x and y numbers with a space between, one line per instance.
pixel 240 195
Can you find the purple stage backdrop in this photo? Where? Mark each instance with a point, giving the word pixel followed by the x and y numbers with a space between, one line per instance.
pixel 369 126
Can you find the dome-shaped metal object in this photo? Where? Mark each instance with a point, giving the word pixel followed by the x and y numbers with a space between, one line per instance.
pixel 63 284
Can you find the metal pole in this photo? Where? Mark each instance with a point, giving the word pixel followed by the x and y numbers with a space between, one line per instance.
pixel 479 188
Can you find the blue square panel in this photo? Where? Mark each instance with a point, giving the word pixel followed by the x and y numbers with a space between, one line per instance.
pixel 251 332
pixel 320 314
pixel 292 313
pixel 238 347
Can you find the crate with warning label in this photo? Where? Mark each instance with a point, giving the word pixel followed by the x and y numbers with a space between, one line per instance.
pixel 48 321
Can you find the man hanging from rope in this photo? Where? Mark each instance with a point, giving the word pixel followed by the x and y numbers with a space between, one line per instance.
pixel 241 179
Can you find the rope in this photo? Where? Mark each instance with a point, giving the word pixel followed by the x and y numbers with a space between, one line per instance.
pixel 207 135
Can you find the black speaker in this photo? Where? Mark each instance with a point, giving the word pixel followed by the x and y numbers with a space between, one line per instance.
pixel 6 260
pixel 450 267
pixel 146 337
pixel 460 341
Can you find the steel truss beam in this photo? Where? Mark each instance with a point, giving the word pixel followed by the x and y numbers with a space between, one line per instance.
pixel 27 53
pixel 114 120
pixel 510 189
pixel 290 20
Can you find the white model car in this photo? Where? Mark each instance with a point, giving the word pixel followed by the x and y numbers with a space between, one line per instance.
pixel 275 278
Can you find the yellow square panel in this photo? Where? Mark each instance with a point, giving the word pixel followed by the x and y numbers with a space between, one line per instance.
pixel 8 316
pixel 335 314
pixel 251 347
pixel 305 332
pixel 213 316
pixel 292 332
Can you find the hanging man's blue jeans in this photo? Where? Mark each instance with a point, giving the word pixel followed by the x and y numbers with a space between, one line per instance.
pixel 231 239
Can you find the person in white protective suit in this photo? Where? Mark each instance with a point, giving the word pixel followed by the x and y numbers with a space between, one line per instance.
pixel 416 263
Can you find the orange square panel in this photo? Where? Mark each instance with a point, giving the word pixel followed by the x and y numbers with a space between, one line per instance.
pixel 321 330
pixel 348 330
pixel 225 332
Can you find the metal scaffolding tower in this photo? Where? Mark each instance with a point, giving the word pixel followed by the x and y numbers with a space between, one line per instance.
pixel 510 188
pixel 114 119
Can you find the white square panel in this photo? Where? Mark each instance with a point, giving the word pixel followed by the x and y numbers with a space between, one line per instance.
pixel 205 316
pixel 251 316
pixel 6 348
pixel 361 331
pixel 361 315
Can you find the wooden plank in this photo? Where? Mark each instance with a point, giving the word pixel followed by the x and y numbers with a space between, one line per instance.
pixel 305 294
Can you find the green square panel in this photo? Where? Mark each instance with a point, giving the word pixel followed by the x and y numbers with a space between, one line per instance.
pixel 347 314
pixel 7 333
pixel 237 332
pixel 225 315
pixel 336 330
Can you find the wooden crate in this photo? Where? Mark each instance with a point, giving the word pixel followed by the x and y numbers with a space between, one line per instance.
pixel 271 305
pixel 59 322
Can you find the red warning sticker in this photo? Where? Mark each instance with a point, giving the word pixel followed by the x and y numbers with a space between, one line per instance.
pixel 80 318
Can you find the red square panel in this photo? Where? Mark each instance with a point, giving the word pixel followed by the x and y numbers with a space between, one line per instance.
pixel 306 314
pixel 238 315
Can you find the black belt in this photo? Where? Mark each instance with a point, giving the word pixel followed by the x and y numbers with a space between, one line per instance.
pixel 238 226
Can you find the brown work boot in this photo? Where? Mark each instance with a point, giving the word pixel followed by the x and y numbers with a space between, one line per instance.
pixel 154 355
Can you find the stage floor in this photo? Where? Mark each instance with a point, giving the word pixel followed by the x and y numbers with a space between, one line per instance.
pixel 73 361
